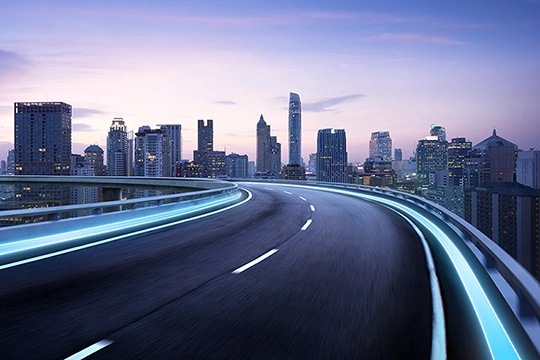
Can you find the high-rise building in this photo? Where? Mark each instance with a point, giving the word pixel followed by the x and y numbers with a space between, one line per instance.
pixel 431 155
pixel 295 129
pixel 175 132
pixel 251 168
pixel 438 131
pixel 42 138
pixel 237 166
pixel 332 155
pixel 263 139
pixel 205 135
pixel 312 163
pixel 11 161
pixel 118 163
pixel 380 145
pixel 528 168
pixel 273 157
pixel 93 157
pixel 152 152
pixel 493 159
pixel 398 155
pixel 508 213
pixel 458 150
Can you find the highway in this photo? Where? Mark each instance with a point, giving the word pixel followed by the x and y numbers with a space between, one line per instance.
pixel 293 273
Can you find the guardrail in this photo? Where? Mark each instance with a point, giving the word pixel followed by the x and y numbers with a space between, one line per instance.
pixel 25 216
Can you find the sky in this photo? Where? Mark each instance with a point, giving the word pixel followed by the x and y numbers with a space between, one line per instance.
pixel 363 66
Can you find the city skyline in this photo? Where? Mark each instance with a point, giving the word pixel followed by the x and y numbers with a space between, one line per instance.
pixel 360 67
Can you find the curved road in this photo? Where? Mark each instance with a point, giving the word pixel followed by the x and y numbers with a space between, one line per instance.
pixel 350 283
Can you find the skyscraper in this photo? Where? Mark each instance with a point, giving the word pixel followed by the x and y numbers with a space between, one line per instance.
pixel 398 155
pixel 205 135
pixel 431 155
pixel 458 149
pixel 237 166
pixel 273 157
pixel 175 132
pixel 152 152
pixel 380 145
pixel 42 138
pixel 295 129
pixel 263 138
pixel 332 155
pixel 118 149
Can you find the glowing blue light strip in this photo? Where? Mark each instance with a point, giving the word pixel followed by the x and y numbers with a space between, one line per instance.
pixel 70 236
pixel 499 343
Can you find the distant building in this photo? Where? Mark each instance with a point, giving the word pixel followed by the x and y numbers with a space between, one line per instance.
pixel 42 138
pixel 528 168
pixel 11 161
pixel 312 163
pixel 83 194
pixel 431 155
pixel 263 139
pixel 508 214
pixel 493 159
pixel 118 149
pixel 295 129
pixel 268 150
pixel 380 145
pixel 398 155
pixel 152 152
pixel 251 168
pixel 175 133
pixel 205 135
pixel 42 147
pixel 293 172
pixel 237 166
pixel 93 157
pixel 332 155
pixel 458 150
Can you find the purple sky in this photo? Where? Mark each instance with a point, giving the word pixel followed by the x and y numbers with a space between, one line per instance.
pixel 398 66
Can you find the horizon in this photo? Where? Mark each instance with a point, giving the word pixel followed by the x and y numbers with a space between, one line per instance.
pixel 359 67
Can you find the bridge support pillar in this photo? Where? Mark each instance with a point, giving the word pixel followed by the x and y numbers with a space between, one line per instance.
pixel 111 194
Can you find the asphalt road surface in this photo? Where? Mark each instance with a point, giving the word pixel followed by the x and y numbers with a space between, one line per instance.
pixel 292 274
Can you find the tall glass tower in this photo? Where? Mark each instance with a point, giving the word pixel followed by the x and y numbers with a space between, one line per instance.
pixel 295 129
pixel 117 149
pixel 332 155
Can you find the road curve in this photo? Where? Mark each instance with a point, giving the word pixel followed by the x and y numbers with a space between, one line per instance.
pixel 293 273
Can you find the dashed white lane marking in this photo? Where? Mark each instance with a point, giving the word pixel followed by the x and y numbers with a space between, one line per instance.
pixel 303 198
pixel 312 207
pixel 306 225
pixel 286 192
pixel 255 262
pixel 90 350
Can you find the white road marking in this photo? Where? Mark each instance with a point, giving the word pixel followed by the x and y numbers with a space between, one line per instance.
pixel 286 192
pixel 306 225
pixel 312 207
pixel 90 350
pixel 255 262
pixel 303 198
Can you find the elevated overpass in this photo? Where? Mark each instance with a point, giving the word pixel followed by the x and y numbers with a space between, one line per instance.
pixel 271 270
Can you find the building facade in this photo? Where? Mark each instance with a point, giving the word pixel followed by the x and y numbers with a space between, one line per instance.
pixel 152 152
pixel 93 157
pixel 380 145
pixel 118 149
pixel 237 166
pixel 332 155
pixel 263 139
pixel 431 155
pixel 175 133
pixel 42 138
pixel 295 129
pixel 458 150
pixel 528 168
pixel 508 213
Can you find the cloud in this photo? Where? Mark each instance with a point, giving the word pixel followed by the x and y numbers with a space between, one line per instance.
pixel 225 102
pixel 412 37
pixel 11 64
pixel 327 104
pixel 84 112
pixel 81 127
